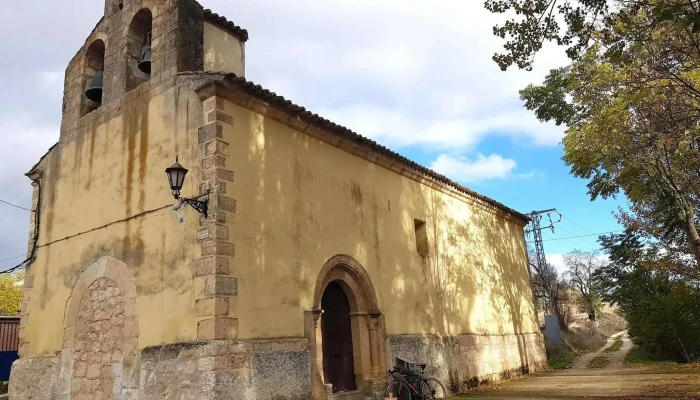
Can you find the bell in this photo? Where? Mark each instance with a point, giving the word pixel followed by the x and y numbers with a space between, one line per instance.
pixel 145 60
pixel 146 55
pixel 94 92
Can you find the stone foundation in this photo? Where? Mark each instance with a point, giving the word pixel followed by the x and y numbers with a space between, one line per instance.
pixel 255 369
pixel 34 378
pixel 276 369
pixel 463 362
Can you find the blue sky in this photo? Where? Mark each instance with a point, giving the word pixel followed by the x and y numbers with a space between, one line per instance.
pixel 417 77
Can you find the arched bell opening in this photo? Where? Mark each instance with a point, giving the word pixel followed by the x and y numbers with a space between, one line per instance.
pixel 139 49
pixel 93 77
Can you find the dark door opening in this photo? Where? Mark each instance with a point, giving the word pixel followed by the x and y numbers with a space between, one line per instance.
pixel 336 331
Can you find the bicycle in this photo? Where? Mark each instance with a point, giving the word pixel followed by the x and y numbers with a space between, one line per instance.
pixel 409 383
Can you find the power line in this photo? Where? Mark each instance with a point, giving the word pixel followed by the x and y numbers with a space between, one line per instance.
pixel 580 236
pixel 13 269
pixel 14 205
pixel 23 255
pixel 569 219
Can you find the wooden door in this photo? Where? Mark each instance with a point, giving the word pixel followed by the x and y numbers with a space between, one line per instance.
pixel 338 364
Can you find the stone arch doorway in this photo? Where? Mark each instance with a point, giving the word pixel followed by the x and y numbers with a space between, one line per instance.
pixel 100 355
pixel 336 332
pixel 342 277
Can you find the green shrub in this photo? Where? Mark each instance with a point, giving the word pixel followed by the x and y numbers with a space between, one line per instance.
pixel 562 361
pixel 659 295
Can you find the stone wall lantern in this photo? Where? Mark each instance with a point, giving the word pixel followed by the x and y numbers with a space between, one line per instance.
pixel 176 177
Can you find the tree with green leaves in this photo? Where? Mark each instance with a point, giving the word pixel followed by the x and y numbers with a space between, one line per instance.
pixel 631 102
pixel 575 24
pixel 10 294
pixel 662 307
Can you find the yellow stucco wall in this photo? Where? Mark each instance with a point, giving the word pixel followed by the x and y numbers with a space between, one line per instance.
pixel 105 193
pixel 222 51
pixel 301 201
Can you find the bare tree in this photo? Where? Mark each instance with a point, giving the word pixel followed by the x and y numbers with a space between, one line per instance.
pixel 547 289
pixel 580 271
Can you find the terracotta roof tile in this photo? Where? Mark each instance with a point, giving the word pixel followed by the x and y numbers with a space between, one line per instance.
pixel 225 24
pixel 346 133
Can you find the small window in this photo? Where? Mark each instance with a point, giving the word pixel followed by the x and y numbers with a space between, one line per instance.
pixel 421 237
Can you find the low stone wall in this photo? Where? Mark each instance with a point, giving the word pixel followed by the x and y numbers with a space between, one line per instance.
pixel 251 369
pixel 465 361
pixel 277 369
pixel 34 378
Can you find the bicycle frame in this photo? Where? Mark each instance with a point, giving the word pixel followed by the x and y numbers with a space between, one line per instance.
pixel 402 378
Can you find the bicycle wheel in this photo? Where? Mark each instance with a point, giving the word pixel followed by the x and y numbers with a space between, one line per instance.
pixel 432 388
pixel 400 392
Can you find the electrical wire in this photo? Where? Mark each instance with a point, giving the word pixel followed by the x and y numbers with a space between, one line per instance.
pixel 14 205
pixel 24 264
pixel 569 219
pixel 575 237
pixel 15 257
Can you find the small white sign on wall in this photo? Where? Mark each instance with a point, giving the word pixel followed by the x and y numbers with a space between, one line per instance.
pixel 179 212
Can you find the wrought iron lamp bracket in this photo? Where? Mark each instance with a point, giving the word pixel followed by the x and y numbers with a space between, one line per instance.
pixel 201 206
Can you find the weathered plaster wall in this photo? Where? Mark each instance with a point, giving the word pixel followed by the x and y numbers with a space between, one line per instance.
pixel 104 192
pixel 301 201
pixel 222 51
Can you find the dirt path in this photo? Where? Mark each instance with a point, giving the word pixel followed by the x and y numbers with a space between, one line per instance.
pixel 617 358
pixel 582 362
pixel 612 382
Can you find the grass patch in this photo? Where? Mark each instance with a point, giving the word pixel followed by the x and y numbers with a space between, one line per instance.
pixel 616 346
pixel 598 362
pixel 639 358
pixel 562 361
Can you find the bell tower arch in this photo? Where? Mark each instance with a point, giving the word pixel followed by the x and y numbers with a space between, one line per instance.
pixel 173 28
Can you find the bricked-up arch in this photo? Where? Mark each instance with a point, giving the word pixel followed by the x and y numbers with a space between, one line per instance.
pixel 114 270
pixel 368 330
pixel 100 336
pixel 93 62
pixel 140 27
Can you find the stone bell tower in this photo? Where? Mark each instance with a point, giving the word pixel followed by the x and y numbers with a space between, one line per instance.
pixel 131 105
pixel 138 45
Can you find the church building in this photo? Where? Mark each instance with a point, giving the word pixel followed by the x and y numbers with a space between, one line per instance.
pixel 294 259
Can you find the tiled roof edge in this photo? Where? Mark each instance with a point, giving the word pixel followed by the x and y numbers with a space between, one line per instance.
pixel 345 133
pixel 225 24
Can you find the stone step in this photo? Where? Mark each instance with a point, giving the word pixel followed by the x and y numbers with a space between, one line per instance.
pixel 354 395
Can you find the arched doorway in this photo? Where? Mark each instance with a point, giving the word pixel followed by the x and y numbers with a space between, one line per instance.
pixel 336 328
pixel 344 292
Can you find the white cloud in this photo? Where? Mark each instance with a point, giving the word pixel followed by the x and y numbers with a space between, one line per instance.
pixel 416 75
pixel 557 260
pixel 404 76
pixel 395 128
pixel 479 169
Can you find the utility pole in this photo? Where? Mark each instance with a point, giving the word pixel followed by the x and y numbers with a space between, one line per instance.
pixel 536 230
pixel 548 283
